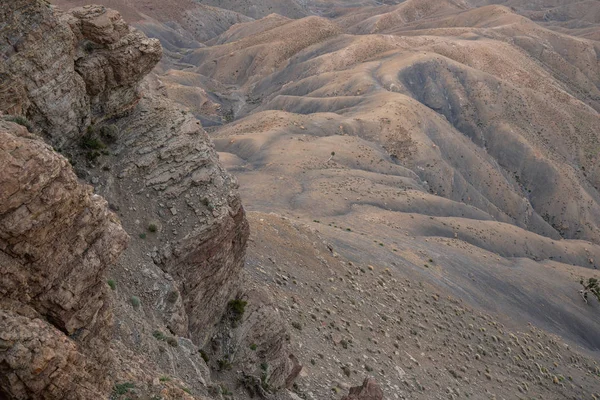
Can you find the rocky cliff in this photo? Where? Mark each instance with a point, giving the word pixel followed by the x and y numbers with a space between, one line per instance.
pixel 79 80
pixel 67 71
pixel 56 239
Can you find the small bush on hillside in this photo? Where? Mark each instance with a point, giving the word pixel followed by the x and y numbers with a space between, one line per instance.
pixel 204 356
pixel 237 308
pixel 112 284
pixel 88 46
pixel 172 296
pixel 122 388
pixel 224 364
pixel 592 285
pixel 21 120
pixel 225 391
pixel 110 133
pixel 89 141
pixel 135 301
pixel 228 115
pixel 158 335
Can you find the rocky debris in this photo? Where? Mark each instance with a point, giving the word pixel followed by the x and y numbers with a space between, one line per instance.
pixel 369 390
pixel 255 341
pixel 56 239
pixel 65 71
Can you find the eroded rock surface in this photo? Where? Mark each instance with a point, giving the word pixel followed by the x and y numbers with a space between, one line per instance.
pixel 369 390
pixel 167 166
pixel 56 239
pixel 67 71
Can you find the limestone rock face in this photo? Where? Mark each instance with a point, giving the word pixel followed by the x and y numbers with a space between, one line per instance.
pixel 38 361
pixel 56 239
pixel 112 58
pixel 167 166
pixel 65 71
pixel 37 75
pixel 369 390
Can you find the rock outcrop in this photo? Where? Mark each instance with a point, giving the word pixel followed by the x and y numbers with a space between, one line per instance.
pixel 369 390
pixel 67 71
pixel 166 165
pixel 256 338
pixel 56 239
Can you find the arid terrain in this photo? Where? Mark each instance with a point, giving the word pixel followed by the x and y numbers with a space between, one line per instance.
pixel 420 180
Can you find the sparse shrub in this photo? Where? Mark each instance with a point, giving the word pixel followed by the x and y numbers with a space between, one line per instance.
pixel 21 120
pixel 109 133
pixel 90 141
pixel 225 391
pixel 592 285
pixel 88 46
pixel 164 379
pixel 264 377
pixel 135 301
pixel 152 228
pixel 206 201
pixel 172 342
pixel 297 325
pixel 224 364
pixel 172 296
pixel 122 388
pixel 112 284
pixel 228 115
pixel 204 356
pixel 188 391
pixel 92 155
pixel 159 335
pixel 237 307
pixel 253 347
pixel 142 236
